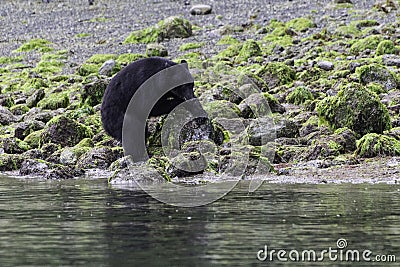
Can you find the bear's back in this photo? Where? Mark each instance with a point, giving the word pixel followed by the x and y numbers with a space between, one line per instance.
pixel 121 89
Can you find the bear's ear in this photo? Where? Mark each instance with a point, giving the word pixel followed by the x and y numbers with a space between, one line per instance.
pixel 184 62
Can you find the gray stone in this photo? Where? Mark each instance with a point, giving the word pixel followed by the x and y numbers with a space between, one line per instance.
pixel 391 60
pixel 200 9
pixel 6 117
pixel 35 98
pixel 325 65
pixel 156 50
pixel 107 67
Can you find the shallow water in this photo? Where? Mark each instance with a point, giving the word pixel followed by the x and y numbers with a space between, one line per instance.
pixel 86 222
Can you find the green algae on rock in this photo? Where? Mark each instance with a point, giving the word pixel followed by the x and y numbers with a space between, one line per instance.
pixel 275 74
pixel 372 145
pixel 357 108
pixel 64 131
pixel 40 45
pixel 189 46
pixel 54 101
pixel 369 42
pixel 171 27
pixel 386 47
pixel 249 49
pixel 299 95
pixel 377 74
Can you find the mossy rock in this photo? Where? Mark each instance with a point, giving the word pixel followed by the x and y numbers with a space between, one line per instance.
pixel 126 59
pixel 33 139
pixel 171 27
pixel 276 74
pixel 64 131
pixel 156 50
pixel 70 155
pixel 40 45
pixel 299 95
pixel 372 145
pixel 23 129
pixel 386 47
pixel 49 66
pixel 190 46
pixel 228 40
pixel 222 109
pixel 357 108
pixel 13 145
pixel 93 64
pixel 100 58
pixel 300 24
pixel 19 109
pixel 92 93
pixel 249 49
pixel 88 68
pixel 377 74
pixel 369 42
pixel 10 162
pixel 54 101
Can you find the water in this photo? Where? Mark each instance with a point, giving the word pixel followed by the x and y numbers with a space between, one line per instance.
pixel 86 222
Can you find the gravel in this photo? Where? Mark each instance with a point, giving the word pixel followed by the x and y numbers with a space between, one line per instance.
pixel 109 22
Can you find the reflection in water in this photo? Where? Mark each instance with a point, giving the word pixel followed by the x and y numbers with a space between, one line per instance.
pixel 83 222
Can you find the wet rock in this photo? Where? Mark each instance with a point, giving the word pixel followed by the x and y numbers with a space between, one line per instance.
pixel 346 138
pixel 10 162
pixel 100 157
pixel 325 65
pixel 372 145
pixel 34 99
pixel 33 139
pixel 356 108
pixel 263 130
pixel 23 129
pixel 64 131
pixel 257 105
pixel 221 109
pixel 200 9
pixel 92 93
pixel 310 126
pixel 33 167
pixel 321 149
pixel 33 154
pixel 187 164
pixel 49 149
pixel 377 74
pixel 391 60
pixel 6 117
pixel 138 172
pixel 70 155
pixel 107 68
pixel 48 170
pixel 156 50
pixel 37 114
pixel 12 145
pixel 121 163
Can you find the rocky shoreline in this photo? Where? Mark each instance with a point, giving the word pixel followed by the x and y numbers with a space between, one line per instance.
pixel 328 71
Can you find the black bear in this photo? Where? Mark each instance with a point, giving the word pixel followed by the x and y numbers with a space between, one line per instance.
pixel 124 85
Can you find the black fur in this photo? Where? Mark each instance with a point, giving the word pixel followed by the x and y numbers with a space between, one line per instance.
pixel 124 85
